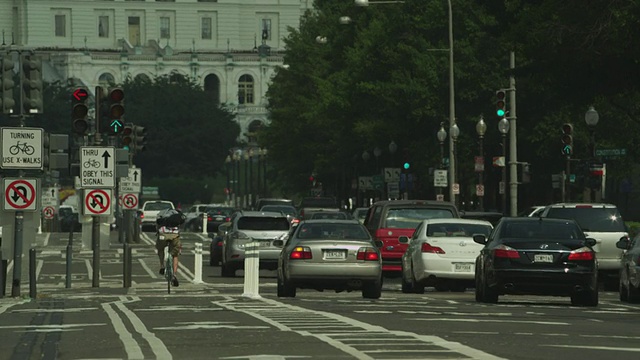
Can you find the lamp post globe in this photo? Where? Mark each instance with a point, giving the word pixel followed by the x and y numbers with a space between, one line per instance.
pixel 481 127
pixel 503 126
pixel 591 117
pixel 442 133
pixel 454 131
pixel 393 147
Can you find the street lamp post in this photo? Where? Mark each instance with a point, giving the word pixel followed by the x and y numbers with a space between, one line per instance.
pixel 251 195
pixel 365 158
pixel 455 132
pixel 503 127
pixel 236 170
pixel 442 136
pixel 264 172
pixel 393 147
pixel 591 117
pixel 377 152
pixel 481 129
pixel 227 163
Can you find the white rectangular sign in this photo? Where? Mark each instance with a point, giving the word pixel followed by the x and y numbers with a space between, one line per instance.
pixel 49 197
pixel 132 183
pixel 97 167
pixel 391 174
pixel 22 148
pixel 440 178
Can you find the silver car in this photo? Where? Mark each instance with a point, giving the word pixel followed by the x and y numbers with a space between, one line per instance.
pixel 249 226
pixel 330 254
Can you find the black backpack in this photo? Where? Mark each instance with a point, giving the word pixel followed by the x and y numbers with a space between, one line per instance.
pixel 170 218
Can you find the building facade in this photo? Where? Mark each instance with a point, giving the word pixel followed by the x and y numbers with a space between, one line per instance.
pixel 230 47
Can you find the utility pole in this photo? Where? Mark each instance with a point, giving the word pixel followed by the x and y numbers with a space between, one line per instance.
pixel 513 146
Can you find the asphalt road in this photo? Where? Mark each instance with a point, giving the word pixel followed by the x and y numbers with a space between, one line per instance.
pixel 218 319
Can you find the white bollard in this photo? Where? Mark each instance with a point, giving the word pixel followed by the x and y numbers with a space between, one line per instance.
pixel 251 270
pixel 204 223
pixel 197 274
pixel 40 226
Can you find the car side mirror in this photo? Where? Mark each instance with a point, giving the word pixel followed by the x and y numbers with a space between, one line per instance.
pixel 623 243
pixel 278 243
pixel 590 242
pixel 403 239
pixel 480 239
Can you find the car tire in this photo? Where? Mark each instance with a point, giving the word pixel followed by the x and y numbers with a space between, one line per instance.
pixel 623 292
pixel 372 289
pixel 227 271
pixel 407 288
pixel 284 289
pixel 417 287
pixel 633 294
pixel 489 295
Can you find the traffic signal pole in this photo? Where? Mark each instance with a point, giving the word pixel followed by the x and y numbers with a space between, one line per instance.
pixel 513 148
pixel 95 220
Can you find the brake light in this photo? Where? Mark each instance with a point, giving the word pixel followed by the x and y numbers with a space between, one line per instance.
pixel 301 252
pixel 428 248
pixel 295 221
pixel 141 215
pixel 227 219
pixel 583 206
pixel 209 218
pixel 367 254
pixel 504 251
pixel 584 253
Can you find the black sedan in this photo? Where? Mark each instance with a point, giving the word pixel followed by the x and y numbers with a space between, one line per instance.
pixel 537 256
pixel 630 269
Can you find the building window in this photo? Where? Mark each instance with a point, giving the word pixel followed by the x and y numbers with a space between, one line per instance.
pixel 165 27
pixel 61 25
pixel 206 28
pixel 103 26
pixel 245 90
pixel 266 29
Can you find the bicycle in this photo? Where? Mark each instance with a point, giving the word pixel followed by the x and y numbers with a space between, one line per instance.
pixel 22 147
pixel 89 163
pixel 168 265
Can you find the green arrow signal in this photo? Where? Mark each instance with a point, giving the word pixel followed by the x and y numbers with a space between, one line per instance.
pixel 567 150
pixel 116 125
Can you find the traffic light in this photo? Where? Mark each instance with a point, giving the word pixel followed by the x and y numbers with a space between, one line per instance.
pixel 127 136
pixel 567 139
pixel 139 138
pixel 80 111
pixel 501 102
pixel 31 83
pixel 6 84
pixel 112 121
pixel 406 161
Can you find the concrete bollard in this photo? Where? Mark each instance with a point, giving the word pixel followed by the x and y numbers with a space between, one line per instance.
pixel 204 223
pixel 251 270
pixel 197 274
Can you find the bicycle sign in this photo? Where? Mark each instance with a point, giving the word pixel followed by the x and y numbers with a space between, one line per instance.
pixel 22 148
pixel 97 167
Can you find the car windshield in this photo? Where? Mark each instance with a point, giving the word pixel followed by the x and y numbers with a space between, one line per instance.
pixel 591 219
pixel 64 212
pixel 456 230
pixel 333 232
pixel 329 215
pixel 263 223
pixel 156 206
pixel 287 210
pixel 409 218
pixel 541 230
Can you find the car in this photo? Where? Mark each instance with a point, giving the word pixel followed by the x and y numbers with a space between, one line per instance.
pixel 360 214
pixel 603 223
pixel 387 220
pixel 629 287
pixel 537 256
pixel 193 215
pixel 441 253
pixel 149 213
pixel 330 254
pixel 215 247
pixel 69 219
pixel 337 215
pixel 249 226
pixel 216 216
pixel 319 203
pixel 491 216
pixel 272 201
pixel 289 210
pixel 532 211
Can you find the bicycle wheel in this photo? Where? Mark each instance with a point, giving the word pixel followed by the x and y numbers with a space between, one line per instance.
pixel 168 268
pixel 14 150
pixel 29 150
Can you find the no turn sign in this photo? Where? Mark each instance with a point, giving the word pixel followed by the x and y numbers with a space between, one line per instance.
pixel 97 202
pixel 130 201
pixel 48 212
pixel 20 194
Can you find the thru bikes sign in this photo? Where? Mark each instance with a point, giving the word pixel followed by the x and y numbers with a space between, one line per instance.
pixel 97 167
pixel 22 148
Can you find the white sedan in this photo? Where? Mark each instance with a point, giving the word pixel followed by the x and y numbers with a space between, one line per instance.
pixel 442 254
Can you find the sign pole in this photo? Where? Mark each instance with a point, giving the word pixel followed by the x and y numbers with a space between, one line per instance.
pixel 17 254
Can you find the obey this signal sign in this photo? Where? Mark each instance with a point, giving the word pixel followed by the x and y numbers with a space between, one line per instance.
pixel 97 202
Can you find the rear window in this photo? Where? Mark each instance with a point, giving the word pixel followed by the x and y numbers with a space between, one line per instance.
pixel 409 218
pixel 287 210
pixel 462 230
pixel 156 206
pixel 333 232
pixel 541 230
pixel 263 223
pixel 329 215
pixel 591 219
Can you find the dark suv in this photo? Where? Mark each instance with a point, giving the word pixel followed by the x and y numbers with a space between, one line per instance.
pixel 389 219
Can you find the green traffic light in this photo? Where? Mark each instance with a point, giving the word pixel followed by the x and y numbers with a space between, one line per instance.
pixel 406 166
pixel 500 112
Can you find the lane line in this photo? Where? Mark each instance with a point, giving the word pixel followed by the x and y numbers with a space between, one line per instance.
pixel 608 348
pixel 157 346
pixel 131 347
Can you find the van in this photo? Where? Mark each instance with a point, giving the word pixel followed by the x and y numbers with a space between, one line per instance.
pixel 387 220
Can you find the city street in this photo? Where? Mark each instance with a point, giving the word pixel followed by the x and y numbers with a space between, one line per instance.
pixel 213 320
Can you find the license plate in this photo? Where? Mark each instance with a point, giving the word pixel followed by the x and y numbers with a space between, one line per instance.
pixel 463 267
pixel 265 243
pixel 543 258
pixel 219 218
pixel 334 255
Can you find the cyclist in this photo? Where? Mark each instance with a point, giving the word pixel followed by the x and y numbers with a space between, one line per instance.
pixel 168 234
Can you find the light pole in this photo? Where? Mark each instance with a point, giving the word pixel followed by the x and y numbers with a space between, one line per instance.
pixel 251 195
pixel 227 163
pixel 442 136
pixel 393 147
pixel 236 170
pixel 503 127
pixel 264 172
pixel 481 129
pixel 365 158
pixel 377 152
pixel 455 132
pixel 591 117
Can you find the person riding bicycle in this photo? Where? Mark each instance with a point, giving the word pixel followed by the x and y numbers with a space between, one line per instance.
pixel 168 234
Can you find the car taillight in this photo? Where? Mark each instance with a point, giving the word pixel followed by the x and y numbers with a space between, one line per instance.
pixel 141 216
pixel 209 218
pixel 227 219
pixel 584 253
pixel 504 251
pixel 301 252
pixel 295 221
pixel 367 254
pixel 428 248
pixel 583 206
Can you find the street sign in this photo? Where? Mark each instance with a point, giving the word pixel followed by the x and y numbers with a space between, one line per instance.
pixel 456 189
pixel 393 190
pixel 440 178
pixel 611 152
pixel 49 197
pixel 501 188
pixel 365 182
pixel 132 183
pixel 130 201
pixel 378 182
pixel 391 174
pixel 440 197
pixel 479 164
pixel 97 202
pixel 20 194
pixel 22 148
pixel 97 167
pixel 480 190
pixel 48 212
pixel 498 161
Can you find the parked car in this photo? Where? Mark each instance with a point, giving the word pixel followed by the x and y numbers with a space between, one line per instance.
pixel 149 213
pixel 629 289
pixel 387 220
pixel 441 253
pixel 250 226
pixel 360 214
pixel 336 255
pixel 603 223
pixel 537 256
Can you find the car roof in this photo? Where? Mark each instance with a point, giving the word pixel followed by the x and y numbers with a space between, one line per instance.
pixel 534 219
pixel 582 205
pixel 456 221
pixel 413 202
pixel 331 221
pixel 261 213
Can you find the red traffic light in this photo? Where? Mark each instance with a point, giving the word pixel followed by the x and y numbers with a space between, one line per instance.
pixel 567 129
pixel 501 94
pixel 116 95
pixel 80 94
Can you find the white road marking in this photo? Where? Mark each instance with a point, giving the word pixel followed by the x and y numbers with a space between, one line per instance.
pixel 39 265
pixel 609 348
pixel 208 325
pixel 180 308
pixel 46 239
pixel 6 305
pixel 68 310
pixel 146 268
pixel 49 328
pixel 493 320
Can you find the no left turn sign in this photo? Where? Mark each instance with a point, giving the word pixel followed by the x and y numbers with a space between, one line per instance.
pixel 97 202
pixel 20 194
